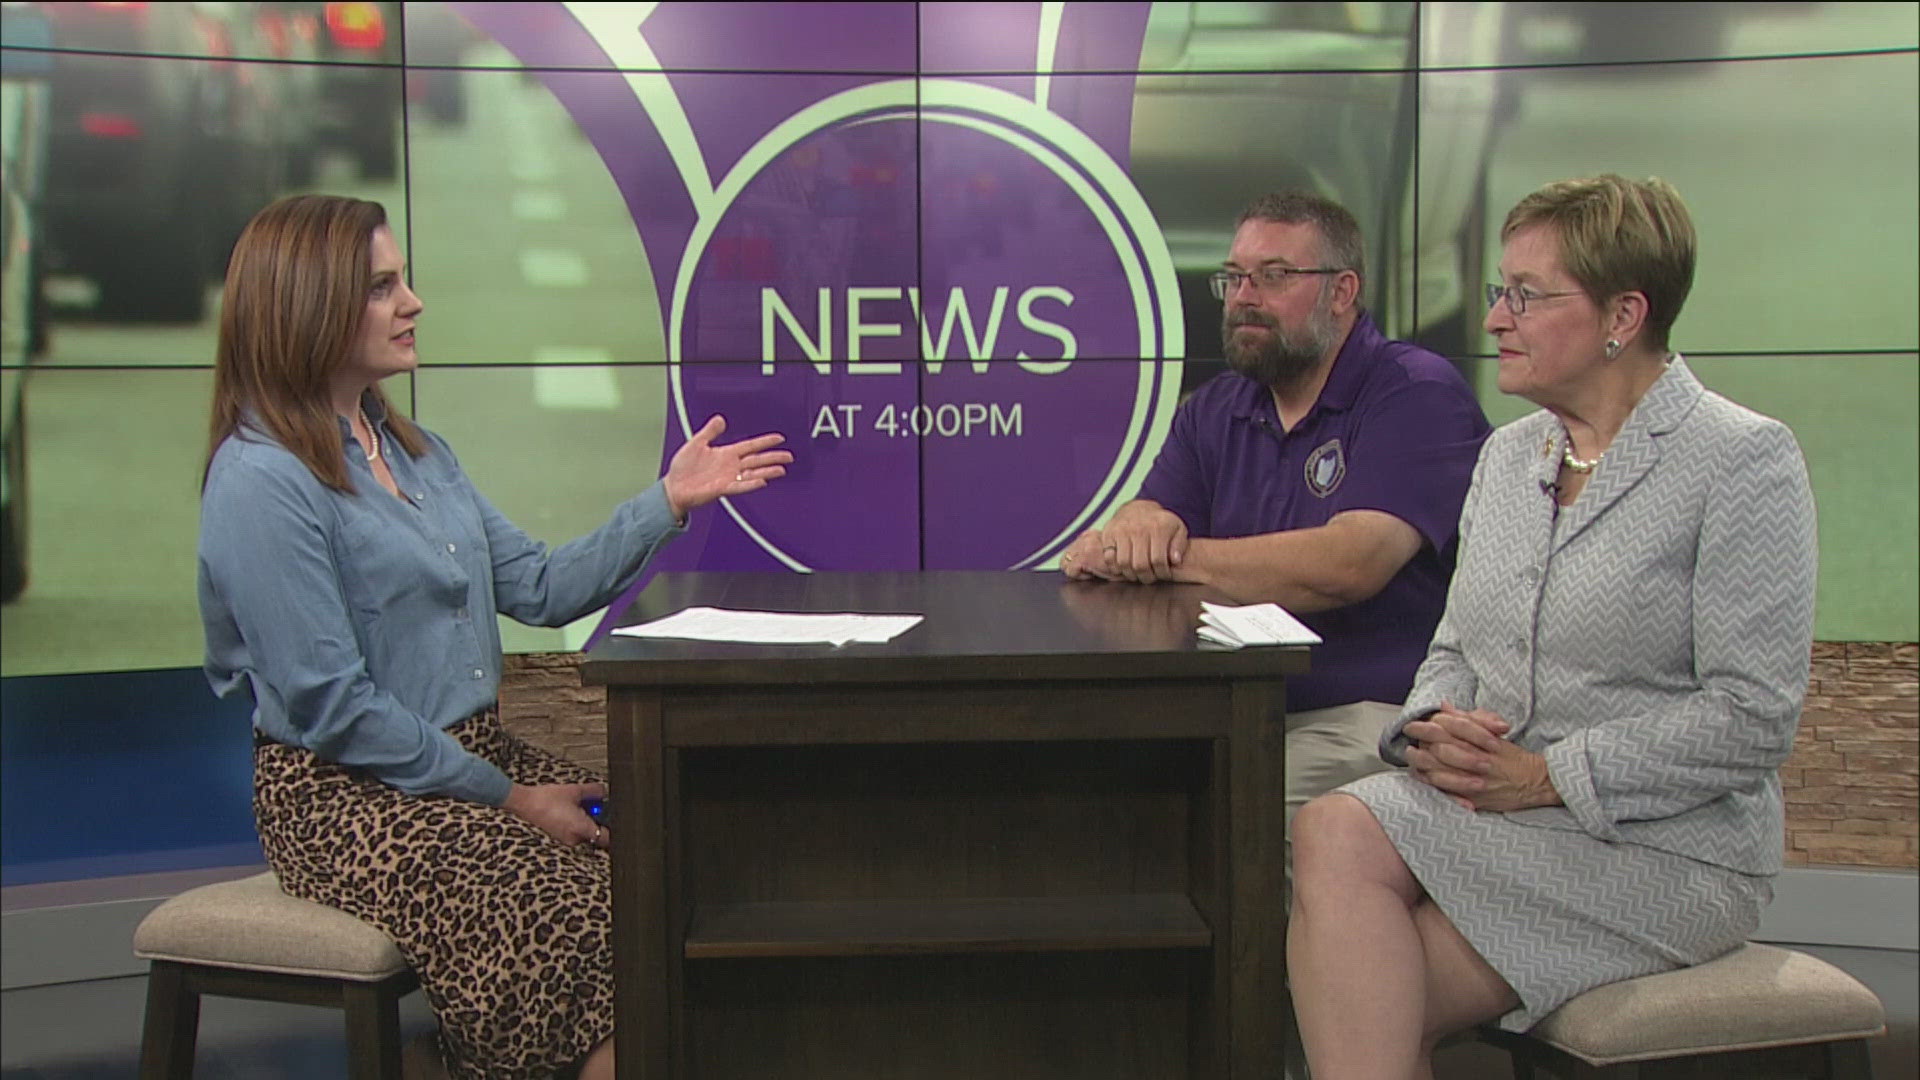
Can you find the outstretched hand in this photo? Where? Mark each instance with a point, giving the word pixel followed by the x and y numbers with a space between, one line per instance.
pixel 702 470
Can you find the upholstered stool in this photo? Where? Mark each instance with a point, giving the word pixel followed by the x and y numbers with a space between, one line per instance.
pixel 247 939
pixel 1759 1011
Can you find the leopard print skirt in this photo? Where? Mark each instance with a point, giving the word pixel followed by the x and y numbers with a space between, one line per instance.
pixel 510 932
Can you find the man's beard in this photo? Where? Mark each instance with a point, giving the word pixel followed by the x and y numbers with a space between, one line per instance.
pixel 1284 356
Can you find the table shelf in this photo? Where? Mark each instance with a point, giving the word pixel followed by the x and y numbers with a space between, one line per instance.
pixel 946 926
pixel 1040 834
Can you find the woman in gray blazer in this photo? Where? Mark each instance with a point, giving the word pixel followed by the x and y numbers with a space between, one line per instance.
pixel 1592 746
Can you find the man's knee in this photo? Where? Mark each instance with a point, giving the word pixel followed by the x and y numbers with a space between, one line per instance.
pixel 1330 747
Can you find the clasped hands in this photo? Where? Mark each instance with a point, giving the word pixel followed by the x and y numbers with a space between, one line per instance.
pixel 1465 755
pixel 1143 543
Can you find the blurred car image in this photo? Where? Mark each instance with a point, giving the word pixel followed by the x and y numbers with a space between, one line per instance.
pixel 161 144
pixel 1214 126
pixel 358 98
pixel 22 330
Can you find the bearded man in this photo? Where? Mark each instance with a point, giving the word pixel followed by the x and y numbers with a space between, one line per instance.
pixel 1324 472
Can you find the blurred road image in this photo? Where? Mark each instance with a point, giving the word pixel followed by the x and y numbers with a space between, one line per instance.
pixel 501 199
pixel 542 350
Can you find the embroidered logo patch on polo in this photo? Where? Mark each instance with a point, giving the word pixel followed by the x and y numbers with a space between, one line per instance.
pixel 1326 467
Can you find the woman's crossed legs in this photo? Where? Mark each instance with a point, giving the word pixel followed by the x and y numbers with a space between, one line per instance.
pixel 1379 974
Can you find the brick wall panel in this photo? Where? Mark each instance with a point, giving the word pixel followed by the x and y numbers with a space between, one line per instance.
pixel 1852 784
pixel 1857 797
pixel 1885 763
pixel 1861 709
pixel 1816 757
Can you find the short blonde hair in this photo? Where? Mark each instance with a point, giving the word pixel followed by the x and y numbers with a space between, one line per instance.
pixel 1617 236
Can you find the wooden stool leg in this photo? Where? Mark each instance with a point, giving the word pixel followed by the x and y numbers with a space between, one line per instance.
pixel 172 1023
pixel 373 1031
pixel 1849 1060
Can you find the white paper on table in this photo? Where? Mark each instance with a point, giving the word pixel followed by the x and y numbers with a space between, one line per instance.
pixel 773 627
pixel 1252 624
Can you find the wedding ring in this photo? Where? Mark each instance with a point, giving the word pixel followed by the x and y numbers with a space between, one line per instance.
pixel 739 476
pixel 1109 549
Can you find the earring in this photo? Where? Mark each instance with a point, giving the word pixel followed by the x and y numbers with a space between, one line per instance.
pixel 1613 348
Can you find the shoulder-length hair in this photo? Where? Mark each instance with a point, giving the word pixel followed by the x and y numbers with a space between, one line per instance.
pixel 296 296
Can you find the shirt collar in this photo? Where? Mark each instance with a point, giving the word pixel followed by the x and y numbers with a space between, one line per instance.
pixel 1661 409
pixel 1670 398
pixel 376 414
pixel 372 407
pixel 1349 372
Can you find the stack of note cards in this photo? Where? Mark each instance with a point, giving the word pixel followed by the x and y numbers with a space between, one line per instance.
pixel 1253 624
pixel 773 627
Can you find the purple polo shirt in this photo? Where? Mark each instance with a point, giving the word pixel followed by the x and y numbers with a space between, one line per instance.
pixel 1395 429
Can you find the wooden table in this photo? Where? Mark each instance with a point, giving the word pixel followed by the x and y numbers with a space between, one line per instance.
pixel 1037 835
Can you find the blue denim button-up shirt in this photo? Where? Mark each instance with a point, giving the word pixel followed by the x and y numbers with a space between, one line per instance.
pixel 363 625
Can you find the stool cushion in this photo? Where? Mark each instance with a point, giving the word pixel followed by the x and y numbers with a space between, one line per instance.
pixel 1754 997
pixel 251 924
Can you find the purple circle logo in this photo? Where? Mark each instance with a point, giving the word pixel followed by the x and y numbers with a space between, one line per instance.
pixel 931 287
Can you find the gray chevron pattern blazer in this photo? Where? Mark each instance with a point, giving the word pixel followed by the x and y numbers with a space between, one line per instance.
pixel 1652 640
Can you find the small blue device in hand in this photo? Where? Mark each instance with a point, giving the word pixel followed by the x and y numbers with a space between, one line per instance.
pixel 596 809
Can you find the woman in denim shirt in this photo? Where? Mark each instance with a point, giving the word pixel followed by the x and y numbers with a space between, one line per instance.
pixel 349 573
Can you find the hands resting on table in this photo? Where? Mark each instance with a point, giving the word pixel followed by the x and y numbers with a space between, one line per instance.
pixel 1143 543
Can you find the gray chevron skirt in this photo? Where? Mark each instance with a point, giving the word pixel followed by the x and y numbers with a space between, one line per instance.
pixel 1556 911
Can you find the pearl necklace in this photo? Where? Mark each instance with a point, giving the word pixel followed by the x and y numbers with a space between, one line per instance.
pixel 1578 465
pixel 374 454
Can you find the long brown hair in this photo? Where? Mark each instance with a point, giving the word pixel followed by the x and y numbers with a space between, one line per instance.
pixel 296 296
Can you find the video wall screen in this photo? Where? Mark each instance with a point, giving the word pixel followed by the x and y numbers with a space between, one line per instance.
pixel 955 252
